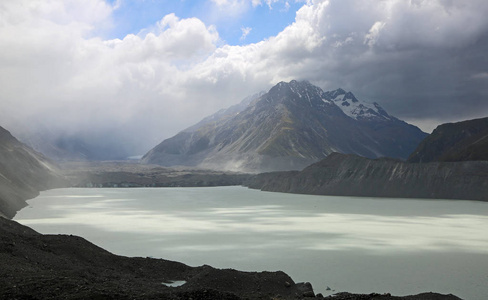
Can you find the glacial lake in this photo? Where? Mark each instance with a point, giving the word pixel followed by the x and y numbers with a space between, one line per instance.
pixel 354 244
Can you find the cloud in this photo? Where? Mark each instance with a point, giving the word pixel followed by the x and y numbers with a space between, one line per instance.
pixel 53 72
pixel 234 7
pixel 268 2
pixel 286 7
pixel 422 60
pixel 482 75
pixel 245 32
pixel 410 56
pixel 372 37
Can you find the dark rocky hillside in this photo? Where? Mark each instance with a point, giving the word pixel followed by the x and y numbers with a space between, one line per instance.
pixel 462 141
pixel 35 266
pixel 288 128
pixel 23 173
pixel 351 175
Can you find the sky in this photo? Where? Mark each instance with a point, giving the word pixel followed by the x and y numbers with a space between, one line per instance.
pixel 132 73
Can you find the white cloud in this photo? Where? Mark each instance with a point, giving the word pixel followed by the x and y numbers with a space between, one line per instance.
pixel 117 4
pixel 270 3
pixel 245 32
pixel 256 2
pixel 373 34
pixel 233 5
pixel 432 23
pixel 54 72
pixel 54 68
pixel 286 7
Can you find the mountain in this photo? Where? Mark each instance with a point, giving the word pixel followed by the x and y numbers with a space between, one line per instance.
pixel 287 128
pixel 462 141
pixel 352 175
pixel 23 173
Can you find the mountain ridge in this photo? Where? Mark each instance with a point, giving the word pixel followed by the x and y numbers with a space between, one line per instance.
pixel 352 175
pixel 460 141
pixel 23 173
pixel 291 126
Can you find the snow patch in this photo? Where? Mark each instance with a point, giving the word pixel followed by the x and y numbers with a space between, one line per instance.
pixel 358 109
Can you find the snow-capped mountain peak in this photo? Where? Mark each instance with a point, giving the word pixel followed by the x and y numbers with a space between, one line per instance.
pixel 354 108
pixel 287 128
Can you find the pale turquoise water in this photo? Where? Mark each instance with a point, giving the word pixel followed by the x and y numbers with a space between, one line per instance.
pixel 402 246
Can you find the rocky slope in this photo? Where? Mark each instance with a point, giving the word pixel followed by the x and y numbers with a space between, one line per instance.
pixel 351 175
pixel 291 126
pixel 462 141
pixel 35 266
pixel 23 173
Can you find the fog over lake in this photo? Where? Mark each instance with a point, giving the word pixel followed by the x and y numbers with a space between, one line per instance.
pixel 363 245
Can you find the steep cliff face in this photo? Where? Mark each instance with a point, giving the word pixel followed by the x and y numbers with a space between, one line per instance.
pixel 288 128
pixel 351 175
pixel 23 173
pixel 462 141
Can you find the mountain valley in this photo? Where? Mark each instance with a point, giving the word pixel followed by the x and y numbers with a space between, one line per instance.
pixel 340 142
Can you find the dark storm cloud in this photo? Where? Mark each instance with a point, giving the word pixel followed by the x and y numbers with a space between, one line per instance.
pixel 422 60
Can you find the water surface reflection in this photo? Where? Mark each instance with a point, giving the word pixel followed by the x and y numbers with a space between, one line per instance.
pixel 329 239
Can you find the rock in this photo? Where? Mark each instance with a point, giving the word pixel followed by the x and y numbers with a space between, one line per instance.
pixel 306 289
pixel 309 294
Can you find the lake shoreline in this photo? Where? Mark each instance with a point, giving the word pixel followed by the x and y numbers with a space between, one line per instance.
pixel 229 191
pixel 69 267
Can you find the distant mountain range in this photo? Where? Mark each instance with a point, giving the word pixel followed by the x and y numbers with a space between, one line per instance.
pixel 451 163
pixel 23 173
pixel 289 127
